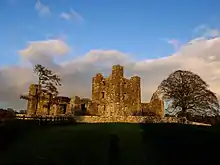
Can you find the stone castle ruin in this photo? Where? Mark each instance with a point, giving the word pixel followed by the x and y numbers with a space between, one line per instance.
pixel 111 96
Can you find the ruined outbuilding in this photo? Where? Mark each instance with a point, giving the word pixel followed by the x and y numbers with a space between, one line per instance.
pixel 64 105
pixel 155 106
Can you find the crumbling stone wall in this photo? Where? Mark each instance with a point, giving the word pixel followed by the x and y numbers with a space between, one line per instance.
pixel 43 108
pixel 131 119
pixel 31 106
pixel 156 106
pixel 63 103
pixel 115 95
pixel 37 107
pixel 75 103
pixel 92 108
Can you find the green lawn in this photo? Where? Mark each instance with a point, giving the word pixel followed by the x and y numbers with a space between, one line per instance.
pixel 89 144
pixel 70 144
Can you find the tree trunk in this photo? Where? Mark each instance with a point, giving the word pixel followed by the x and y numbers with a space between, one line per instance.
pixel 184 111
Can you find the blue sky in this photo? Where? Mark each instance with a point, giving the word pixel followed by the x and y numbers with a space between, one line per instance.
pixel 137 27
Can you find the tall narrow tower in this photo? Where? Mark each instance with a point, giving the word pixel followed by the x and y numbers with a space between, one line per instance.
pixel 117 75
pixel 32 102
pixel 136 86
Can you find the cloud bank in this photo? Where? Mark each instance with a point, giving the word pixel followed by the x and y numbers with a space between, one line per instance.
pixel 201 56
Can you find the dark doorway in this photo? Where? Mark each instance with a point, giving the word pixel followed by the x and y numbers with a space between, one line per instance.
pixel 83 107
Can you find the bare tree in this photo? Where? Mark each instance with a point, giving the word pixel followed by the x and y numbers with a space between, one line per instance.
pixel 47 84
pixel 188 93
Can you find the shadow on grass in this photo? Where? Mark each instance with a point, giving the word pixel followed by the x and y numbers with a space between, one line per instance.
pixel 180 144
pixel 114 150
pixel 13 130
pixel 127 144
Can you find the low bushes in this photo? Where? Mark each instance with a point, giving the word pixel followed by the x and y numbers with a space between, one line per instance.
pixel 4 114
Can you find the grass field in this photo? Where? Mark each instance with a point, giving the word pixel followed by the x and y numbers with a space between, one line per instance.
pixel 72 144
pixel 89 144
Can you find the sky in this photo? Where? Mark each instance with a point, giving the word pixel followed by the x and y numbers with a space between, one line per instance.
pixel 77 39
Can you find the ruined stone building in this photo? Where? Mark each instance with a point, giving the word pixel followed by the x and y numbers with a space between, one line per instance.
pixel 65 105
pixel 115 95
pixel 111 96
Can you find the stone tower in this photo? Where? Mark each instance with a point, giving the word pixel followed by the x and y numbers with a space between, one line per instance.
pixel 116 95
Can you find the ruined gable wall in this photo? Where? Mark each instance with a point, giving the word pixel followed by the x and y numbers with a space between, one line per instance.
pixel 31 105
pixel 42 108
pixel 155 106
pixel 42 102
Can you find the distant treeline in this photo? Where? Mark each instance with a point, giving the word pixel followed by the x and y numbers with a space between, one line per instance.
pixel 190 117
pixel 9 113
pixel 6 114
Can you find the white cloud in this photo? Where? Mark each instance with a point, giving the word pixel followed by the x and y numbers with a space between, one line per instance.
pixel 201 56
pixel 206 31
pixel 42 9
pixel 72 15
pixel 49 47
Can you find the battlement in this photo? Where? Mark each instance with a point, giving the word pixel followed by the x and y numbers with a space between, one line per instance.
pixel 135 78
pixel 98 77
pixel 117 70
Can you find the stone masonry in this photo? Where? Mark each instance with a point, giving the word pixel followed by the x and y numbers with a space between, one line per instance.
pixel 119 96
pixel 65 105
pixel 115 95
pixel 155 106
pixel 111 96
